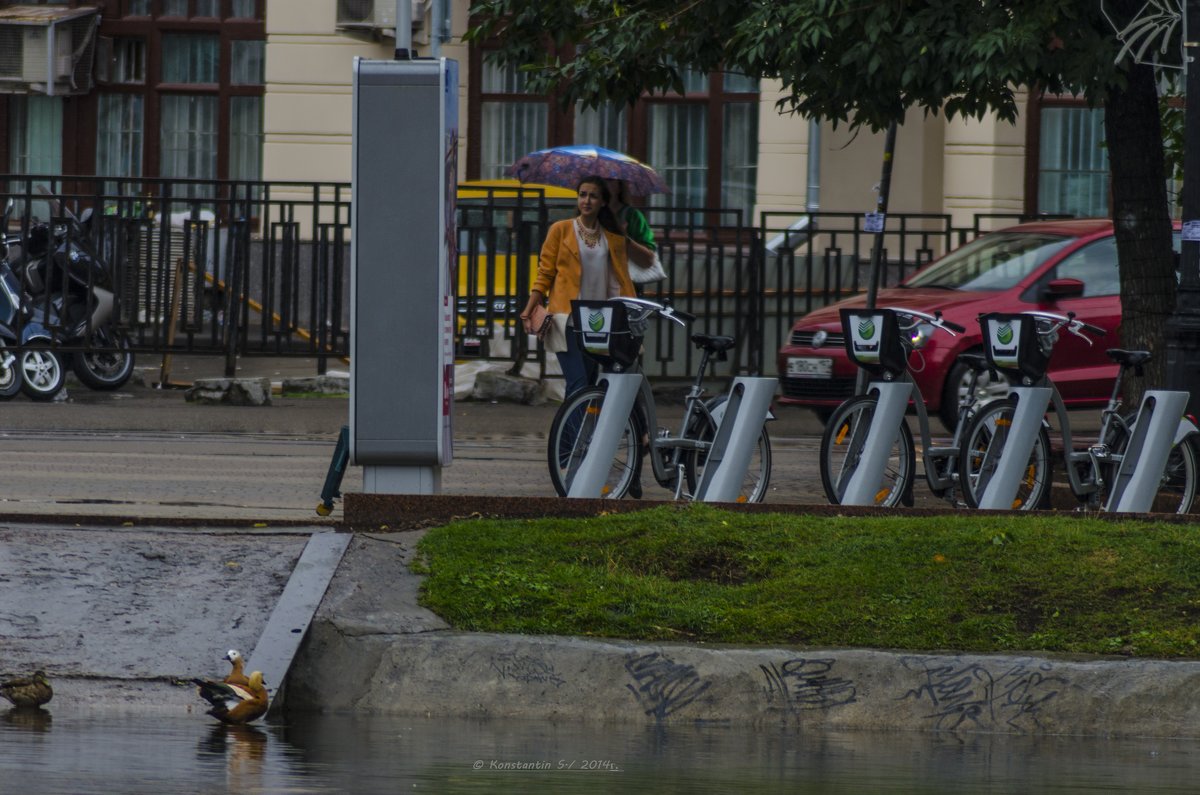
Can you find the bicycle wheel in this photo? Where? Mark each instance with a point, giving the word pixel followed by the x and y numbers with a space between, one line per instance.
pixel 841 453
pixel 980 452
pixel 758 473
pixel 1177 489
pixel 571 437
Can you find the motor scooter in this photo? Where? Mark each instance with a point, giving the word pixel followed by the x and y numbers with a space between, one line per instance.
pixel 27 361
pixel 70 283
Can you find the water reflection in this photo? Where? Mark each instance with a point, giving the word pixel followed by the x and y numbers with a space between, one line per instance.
pixel 88 752
pixel 31 718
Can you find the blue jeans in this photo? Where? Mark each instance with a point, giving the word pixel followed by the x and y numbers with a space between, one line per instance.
pixel 578 369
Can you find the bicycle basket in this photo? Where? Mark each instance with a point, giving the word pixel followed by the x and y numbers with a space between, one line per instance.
pixel 873 340
pixel 604 333
pixel 1013 346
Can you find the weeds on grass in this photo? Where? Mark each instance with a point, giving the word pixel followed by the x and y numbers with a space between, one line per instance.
pixel 956 582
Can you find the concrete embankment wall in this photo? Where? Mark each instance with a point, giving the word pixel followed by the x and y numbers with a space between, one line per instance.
pixel 371 648
pixel 122 618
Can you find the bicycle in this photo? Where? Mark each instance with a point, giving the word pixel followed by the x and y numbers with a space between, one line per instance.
pixel 1021 345
pixel 853 470
pixel 677 461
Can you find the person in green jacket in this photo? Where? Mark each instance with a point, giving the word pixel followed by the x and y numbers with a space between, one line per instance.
pixel 631 222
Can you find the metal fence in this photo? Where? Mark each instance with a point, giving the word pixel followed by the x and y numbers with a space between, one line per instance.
pixel 262 269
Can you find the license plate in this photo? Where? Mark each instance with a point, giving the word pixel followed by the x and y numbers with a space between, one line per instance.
pixel 800 367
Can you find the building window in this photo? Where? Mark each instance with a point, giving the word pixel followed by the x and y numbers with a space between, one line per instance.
pixel 704 143
pixel 129 61
pixel 248 61
pixel 677 143
pixel 245 138
pixel 604 126
pixel 119 125
pixel 188 139
pixel 183 96
pixel 514 122
pixel 190 58
pixel 739 158
pixel 1072 162
pixel 35 134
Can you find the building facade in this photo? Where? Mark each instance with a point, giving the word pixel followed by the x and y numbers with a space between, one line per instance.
pixel 261 89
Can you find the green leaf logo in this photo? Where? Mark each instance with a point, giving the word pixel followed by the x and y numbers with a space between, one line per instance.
pixel 596 320
pixel 1004 334
pixel 866 328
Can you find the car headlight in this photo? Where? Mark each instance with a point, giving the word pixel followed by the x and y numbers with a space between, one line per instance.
pixel 921 334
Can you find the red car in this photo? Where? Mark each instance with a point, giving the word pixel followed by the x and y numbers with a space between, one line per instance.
pixel 1055 266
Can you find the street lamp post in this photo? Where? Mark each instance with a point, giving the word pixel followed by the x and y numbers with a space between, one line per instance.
pixel 1183 328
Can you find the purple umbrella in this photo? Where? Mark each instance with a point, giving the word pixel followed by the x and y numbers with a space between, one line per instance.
pixel 566 165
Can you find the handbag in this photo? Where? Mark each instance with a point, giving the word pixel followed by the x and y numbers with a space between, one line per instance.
pixel 654 273
pixel 540 321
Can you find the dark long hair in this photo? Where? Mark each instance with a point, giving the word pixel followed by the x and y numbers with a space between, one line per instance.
pixel 605 216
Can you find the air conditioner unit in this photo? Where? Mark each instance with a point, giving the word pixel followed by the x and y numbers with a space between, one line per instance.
pixel 36 67
pixel 366 14
pixel 377 15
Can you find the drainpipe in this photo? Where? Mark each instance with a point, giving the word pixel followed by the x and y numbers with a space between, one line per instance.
pixel 441 15
pixel 404 30
pixel 812 201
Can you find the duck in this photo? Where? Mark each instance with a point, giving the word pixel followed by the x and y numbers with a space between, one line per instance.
pixel 236 676
pixel 235 704
pixel 30 691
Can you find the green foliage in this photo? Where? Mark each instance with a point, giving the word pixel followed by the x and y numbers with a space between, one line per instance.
pixel 865 63
pixel 983 584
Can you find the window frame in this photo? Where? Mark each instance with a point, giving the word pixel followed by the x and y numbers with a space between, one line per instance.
pixel 561 124
pixel 152 29
pixel 1038 101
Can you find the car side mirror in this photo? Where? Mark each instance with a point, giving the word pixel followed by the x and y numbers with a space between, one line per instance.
pixel 1058 289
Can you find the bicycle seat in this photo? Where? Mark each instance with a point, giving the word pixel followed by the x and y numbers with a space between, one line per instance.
pixel 713 343
pixel 1128 358
pixel 976 361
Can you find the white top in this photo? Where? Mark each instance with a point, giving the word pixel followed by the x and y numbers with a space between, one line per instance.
pixel 597 282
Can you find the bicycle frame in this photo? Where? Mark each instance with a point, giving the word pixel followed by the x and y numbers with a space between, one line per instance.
pixel 1154 433
pixel 623 383
pixel 893 392
pixel 1139 464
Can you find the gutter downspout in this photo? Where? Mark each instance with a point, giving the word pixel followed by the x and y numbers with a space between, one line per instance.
pixel 404 50
pixel 812 201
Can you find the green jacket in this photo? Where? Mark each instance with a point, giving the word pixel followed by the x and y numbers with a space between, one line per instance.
pixel 637 228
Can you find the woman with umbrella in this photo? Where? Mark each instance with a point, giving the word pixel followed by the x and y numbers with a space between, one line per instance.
pixel 585 258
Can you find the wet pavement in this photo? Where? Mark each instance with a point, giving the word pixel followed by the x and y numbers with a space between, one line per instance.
pixel 149 454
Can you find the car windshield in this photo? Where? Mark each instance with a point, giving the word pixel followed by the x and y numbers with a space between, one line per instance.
pixel 994 262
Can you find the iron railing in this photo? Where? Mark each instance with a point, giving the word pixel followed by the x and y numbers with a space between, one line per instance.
pixel 262 268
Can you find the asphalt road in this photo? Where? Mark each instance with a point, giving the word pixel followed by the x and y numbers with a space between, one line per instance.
pixel 148 453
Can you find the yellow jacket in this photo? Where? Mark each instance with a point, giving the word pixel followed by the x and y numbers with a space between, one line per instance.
pixel 560 270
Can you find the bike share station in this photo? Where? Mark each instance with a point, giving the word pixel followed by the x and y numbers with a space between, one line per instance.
pixel 603 326
pixel 405 169
pixel 1015 346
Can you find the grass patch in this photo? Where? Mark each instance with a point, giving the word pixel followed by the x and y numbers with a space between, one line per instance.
pixel 959 582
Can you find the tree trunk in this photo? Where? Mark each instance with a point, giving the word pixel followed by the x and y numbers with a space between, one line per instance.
pixel 1142 224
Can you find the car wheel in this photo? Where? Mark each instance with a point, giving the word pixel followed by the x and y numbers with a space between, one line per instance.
pixel 957 383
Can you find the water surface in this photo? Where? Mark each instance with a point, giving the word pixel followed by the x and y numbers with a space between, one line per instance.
pixel 92 753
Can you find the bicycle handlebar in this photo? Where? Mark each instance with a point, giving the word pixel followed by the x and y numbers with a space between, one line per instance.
pixel 935 319
pixel 664 310
pixel 1067 321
